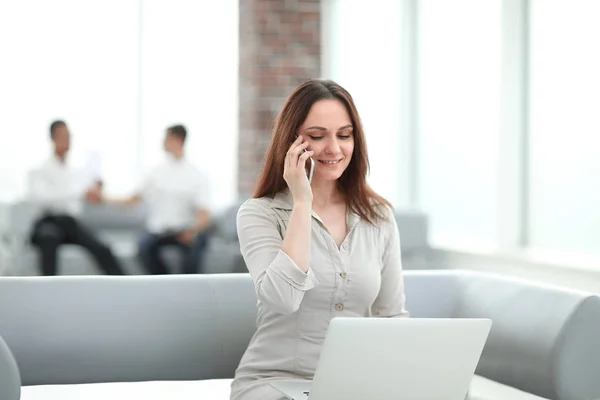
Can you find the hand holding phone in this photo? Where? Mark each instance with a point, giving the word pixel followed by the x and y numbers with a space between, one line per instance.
pixel 298 170
pixel 310 167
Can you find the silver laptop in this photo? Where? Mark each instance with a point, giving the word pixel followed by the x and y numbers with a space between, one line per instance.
pixel 394 358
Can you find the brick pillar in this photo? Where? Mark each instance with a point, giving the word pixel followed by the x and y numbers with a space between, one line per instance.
pixel 279 47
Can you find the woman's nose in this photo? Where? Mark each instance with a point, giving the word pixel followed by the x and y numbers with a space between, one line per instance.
pixel 332 147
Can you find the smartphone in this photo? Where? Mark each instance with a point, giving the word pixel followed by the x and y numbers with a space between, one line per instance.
pixel 310 167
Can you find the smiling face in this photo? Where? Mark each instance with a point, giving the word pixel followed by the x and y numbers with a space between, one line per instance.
pixel 328 131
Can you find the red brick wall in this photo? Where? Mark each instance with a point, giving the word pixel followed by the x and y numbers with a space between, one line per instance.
pixel 280 46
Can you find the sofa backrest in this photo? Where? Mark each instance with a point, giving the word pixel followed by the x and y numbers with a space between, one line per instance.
pixel 224 223
pixel 84 329
pixel 20 219
pixel 413 227
pixel 95 216
pixel 431 293
pixel 114 217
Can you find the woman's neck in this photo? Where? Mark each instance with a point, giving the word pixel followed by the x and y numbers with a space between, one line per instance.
pixel 326 194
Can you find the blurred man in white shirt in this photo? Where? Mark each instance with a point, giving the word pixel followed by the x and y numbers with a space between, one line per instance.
pixel 56 192
pixel 175 193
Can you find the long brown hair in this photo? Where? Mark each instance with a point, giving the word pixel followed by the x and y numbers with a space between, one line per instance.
pixel 360 198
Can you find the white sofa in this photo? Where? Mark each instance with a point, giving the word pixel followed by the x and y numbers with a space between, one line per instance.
pixel 181 337
pixel 119 228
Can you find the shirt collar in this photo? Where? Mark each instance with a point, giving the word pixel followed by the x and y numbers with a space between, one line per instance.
pixel 283 200
pixel 171 159
pixel 55 159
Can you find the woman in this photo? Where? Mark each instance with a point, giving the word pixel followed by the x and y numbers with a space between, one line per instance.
pixel 315 250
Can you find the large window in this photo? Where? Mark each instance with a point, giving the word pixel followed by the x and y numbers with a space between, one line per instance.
pixel 498 105
pixel 362 54
pixel 59 60
pixel 565 125
pixel 459 82
pixel 119 72
pixel 189 75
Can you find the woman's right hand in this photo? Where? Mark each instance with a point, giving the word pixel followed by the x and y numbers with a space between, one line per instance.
pixel 294 171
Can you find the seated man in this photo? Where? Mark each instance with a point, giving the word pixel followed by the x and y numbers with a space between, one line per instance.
pixel 56 192
pixel 175 193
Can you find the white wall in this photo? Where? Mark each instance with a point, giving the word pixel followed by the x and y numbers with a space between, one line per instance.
pixel 119 72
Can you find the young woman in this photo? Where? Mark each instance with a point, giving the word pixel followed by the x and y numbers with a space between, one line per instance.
pixel 315 250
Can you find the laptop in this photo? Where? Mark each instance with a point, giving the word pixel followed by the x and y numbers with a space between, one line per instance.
pixel 393 359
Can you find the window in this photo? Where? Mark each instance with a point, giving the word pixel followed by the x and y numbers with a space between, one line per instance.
pixel 564 145
pixel 501 107
pixel 119 72
pixel 459 82
pixel 189 76
pixel 363 54
pixel 61 61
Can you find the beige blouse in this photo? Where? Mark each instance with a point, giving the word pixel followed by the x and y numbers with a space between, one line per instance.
pixel 361 278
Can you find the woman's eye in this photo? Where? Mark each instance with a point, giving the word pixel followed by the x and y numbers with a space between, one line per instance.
pixel 316 137
pixel 345 136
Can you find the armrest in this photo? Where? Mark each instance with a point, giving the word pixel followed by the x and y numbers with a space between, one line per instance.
pixel 545 340
pixel 10 380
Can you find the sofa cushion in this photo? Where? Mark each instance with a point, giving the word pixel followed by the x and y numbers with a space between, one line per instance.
pixel 218 389
pixel 487 389
pixel 223 256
